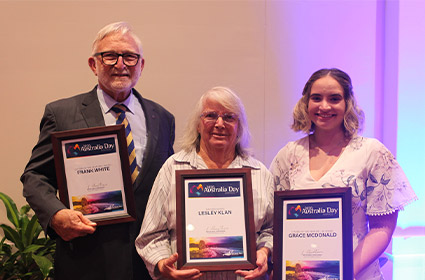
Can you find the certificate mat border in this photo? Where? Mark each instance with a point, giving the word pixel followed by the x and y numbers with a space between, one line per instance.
pixel 58 137
pixel 347 235
pixel 245 174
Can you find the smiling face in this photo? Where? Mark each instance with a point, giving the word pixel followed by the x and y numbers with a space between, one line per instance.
pixel 117 80
pixel 326 105
pixel 217 135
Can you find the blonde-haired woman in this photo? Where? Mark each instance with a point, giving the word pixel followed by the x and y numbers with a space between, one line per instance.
pixel 333 155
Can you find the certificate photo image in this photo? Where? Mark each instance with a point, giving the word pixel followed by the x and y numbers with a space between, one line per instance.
pixel 228 247
pixel 312 270
pixel 98 203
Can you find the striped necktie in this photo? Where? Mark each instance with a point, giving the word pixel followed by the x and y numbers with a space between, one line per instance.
pixel 120 109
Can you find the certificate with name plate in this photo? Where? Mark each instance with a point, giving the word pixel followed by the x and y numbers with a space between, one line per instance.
pixel 93 173
pixel 313 234
pixel 215 228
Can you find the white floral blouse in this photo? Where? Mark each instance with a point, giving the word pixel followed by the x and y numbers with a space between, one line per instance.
pixel 379 185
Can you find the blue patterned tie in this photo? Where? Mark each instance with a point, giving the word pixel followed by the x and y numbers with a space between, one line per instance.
pixel 120 109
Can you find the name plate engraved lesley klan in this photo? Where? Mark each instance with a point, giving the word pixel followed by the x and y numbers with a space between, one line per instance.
pixel 214 231
pixel 215 203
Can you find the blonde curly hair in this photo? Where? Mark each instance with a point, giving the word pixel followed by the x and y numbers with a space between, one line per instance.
pixel 353 117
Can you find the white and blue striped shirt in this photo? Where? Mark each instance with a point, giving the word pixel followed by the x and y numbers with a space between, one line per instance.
pixel 157 238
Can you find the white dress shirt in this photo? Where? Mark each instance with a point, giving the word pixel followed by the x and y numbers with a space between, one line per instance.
pixel 135 117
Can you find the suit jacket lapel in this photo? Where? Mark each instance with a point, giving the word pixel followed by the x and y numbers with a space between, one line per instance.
pixel 152 128
pixel 91 111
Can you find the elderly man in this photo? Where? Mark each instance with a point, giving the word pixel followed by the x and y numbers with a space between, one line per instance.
pixel 85 250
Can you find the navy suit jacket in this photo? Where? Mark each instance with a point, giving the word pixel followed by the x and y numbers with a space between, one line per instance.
pixel 108 253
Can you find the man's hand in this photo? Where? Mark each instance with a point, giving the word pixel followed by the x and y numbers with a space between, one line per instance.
pixel 261 269
pixel 167 269
pixel 70 224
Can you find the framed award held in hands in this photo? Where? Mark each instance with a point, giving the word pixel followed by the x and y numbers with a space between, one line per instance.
pixel 93 173
pixel 313 234
pixel 215 224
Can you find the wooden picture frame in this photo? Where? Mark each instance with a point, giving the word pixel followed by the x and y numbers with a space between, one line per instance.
pixel 313 229
pixel 215 219
pixel 93 173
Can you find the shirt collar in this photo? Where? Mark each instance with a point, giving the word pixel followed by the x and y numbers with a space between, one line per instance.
pixel 193 159
pixel 107 102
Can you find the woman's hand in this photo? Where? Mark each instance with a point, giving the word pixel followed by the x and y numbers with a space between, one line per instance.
pixel 261 269
pixel 167 269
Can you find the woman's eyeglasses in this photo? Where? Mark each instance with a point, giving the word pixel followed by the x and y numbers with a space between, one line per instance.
pixel 229 118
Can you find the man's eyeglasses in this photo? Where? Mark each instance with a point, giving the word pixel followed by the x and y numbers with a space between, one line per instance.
pixel 229 118
pixel 111 58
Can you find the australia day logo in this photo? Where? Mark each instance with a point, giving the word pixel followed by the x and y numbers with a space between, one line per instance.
pixel 315 210
pixel 90 147
pixel 214 189
pixel 294 211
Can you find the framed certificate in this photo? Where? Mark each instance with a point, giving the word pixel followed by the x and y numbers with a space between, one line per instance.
pixel 215 219
pixel 313 234
pixel 93 173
